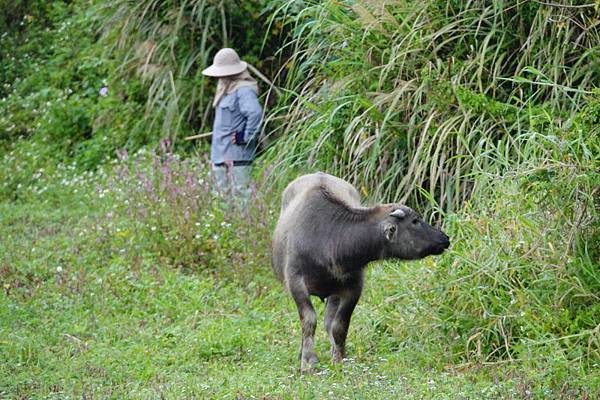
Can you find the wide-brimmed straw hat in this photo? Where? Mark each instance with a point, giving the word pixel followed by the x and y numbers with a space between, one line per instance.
pixel 226 62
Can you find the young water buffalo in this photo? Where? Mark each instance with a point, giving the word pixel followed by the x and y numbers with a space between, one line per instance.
pixel 324 239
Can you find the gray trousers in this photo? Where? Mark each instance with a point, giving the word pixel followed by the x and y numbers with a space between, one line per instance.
pixel 233 181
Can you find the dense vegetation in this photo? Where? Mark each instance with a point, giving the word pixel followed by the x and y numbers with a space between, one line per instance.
pixel 124 275
pixel 485 113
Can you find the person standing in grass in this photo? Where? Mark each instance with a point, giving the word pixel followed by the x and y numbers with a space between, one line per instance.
pixel 238 116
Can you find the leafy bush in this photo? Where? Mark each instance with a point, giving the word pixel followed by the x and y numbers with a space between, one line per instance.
pixel 63 102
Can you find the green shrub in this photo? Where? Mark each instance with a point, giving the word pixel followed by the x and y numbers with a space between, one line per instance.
pixel 61 102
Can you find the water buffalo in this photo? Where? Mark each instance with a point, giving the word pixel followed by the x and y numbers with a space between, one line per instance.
pixel 323 240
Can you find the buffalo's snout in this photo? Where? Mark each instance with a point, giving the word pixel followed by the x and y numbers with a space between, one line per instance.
pixel 440 243
pixel 445 241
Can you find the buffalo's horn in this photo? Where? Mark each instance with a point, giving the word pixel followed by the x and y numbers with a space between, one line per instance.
pixel 398 213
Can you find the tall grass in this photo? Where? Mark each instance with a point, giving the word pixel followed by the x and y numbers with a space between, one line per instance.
pixel 522 282
pixel 407 99
pixel 168 44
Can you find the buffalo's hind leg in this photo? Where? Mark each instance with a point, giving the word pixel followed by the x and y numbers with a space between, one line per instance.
pixel 331 308
pixel 338 330
pixel 308 320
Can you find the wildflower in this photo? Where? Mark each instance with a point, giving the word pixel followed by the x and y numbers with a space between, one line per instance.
pixel 103 92
pixel 59 269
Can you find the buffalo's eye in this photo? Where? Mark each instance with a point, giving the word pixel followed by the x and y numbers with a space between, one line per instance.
pixel 415 221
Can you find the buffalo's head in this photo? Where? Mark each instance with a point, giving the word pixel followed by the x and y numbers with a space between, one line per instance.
pixel 407 236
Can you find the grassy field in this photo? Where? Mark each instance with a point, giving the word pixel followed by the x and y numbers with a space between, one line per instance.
pixel 122 275
pixel 89 310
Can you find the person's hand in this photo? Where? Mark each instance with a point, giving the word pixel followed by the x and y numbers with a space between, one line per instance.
pixel 234 139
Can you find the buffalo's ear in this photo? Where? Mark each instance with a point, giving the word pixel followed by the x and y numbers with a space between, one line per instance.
pixel 398 213
pixel 390 231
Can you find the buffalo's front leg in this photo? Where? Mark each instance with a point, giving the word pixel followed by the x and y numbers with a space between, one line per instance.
pixel 308 320
pixel 341 323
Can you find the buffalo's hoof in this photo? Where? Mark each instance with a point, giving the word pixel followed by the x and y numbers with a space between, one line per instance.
pixel 308 363
pixel 337 356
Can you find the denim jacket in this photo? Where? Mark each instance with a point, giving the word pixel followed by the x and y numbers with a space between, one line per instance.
pixel 238 111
